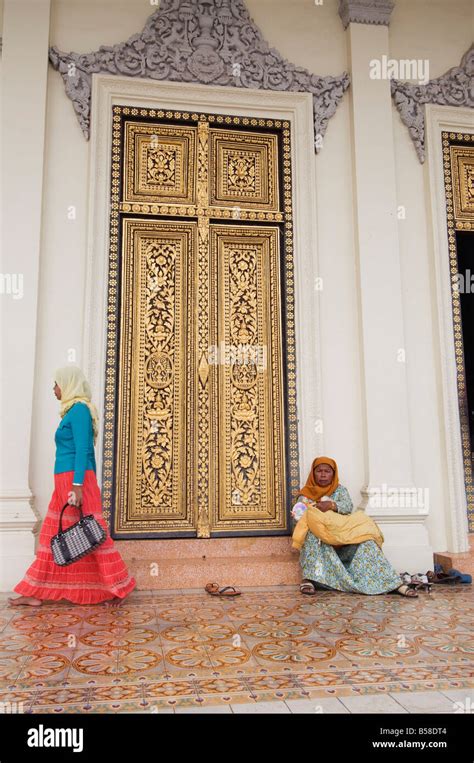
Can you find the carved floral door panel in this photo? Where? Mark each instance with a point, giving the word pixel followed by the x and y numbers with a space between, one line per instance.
pixel 158 307
pixel 200 432
pixel 250 436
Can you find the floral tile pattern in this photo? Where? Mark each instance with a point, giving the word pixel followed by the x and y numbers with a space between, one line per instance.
pixel 163 650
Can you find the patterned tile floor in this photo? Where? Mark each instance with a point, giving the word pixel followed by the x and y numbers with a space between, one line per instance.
pixel 270 649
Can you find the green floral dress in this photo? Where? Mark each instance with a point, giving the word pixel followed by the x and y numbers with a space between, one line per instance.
pixel 357 568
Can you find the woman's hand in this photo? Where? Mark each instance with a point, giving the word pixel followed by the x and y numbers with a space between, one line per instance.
pixel 76 495
pixel 326 505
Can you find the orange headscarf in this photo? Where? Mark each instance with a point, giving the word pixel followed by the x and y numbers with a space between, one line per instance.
pixel 312 489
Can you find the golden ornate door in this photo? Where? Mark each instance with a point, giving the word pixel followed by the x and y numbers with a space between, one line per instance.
pixel 200 419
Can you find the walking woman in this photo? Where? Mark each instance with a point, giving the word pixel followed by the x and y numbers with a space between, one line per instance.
pixel 101 576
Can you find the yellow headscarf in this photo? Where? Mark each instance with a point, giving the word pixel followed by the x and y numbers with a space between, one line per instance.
pixel 75 389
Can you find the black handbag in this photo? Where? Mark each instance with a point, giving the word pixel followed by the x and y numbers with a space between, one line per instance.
pixel 77 541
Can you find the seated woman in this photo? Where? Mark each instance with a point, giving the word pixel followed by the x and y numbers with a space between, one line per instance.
pixel 355 568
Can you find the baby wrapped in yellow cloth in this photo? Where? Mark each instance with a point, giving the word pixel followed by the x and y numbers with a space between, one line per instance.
pixel 336 529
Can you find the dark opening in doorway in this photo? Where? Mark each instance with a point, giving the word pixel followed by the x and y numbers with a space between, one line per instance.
pixel 465 250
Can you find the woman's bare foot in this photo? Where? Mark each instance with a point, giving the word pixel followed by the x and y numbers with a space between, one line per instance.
pixel 29 601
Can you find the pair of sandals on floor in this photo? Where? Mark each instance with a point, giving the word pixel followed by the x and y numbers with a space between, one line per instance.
pixel 215 590
pixel 309 589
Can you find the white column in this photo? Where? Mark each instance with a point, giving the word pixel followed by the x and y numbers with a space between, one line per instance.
pixel 387 436
pixel 24 69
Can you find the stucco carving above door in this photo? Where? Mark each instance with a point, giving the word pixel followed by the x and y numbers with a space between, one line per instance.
pixel 212 42
pixel 454 88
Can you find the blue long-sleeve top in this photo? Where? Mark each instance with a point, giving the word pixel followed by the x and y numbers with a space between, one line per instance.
pixel 75 443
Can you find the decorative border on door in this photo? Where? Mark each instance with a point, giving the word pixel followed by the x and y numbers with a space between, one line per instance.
pixel 459 214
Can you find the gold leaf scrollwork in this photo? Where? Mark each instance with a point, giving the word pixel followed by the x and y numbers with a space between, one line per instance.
pixel 244 374
pixel 241 173
pixel 158 413
pixel 243 311
pixel 161 166
pixel 159 370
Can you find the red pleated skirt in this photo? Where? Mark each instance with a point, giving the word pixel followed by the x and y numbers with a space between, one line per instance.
pixel 96 577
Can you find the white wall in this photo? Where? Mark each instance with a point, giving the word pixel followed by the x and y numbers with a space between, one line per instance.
pixel 312 36
pixel 439 31
pixel 79 26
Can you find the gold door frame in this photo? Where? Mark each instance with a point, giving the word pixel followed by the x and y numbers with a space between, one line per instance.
pixel 458 159
pixel 197 224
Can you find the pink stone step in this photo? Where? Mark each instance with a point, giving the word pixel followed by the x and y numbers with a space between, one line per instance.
pixel 463 562
pixel 191 563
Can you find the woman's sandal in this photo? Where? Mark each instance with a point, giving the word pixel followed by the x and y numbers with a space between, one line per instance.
pixel 405 590
pixel 307 588
pixel 229 590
